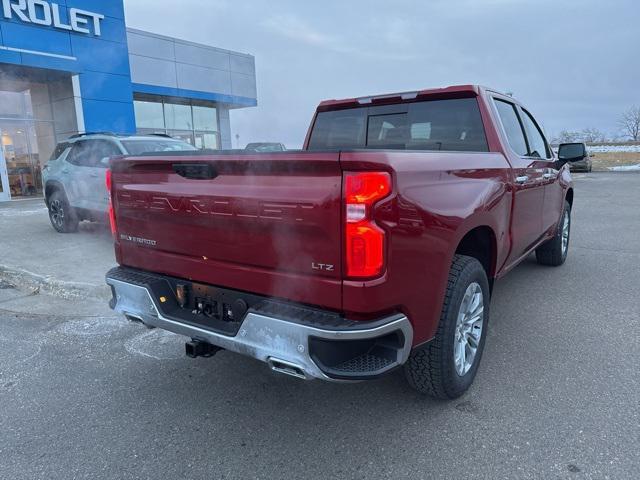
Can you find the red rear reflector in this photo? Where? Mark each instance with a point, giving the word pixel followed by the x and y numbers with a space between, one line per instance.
pixel 112 215
pixel 364 240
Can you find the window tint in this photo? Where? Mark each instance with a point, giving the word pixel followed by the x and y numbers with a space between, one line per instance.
pixel 339 129
pixel 453 125
pixel 388 131
pixel 512 127
pixel 537 145
pixel 89 153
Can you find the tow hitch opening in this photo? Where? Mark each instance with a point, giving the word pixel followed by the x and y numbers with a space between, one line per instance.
pixel 196 348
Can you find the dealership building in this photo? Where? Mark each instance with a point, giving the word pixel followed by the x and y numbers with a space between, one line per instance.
pixel 73 66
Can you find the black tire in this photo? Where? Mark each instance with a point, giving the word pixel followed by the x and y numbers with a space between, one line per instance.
pixel 552 252
pixel 431 369
pixel 62 216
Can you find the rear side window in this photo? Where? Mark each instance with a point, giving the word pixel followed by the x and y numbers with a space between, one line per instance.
pixel 512 127
pixel 451 125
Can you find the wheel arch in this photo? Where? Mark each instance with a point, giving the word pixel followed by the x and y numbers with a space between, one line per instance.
pixel 51 187
pixel 480 243
pixel 569 197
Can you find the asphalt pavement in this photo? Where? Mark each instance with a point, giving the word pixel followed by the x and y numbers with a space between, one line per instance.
pixel 84 394
pixel 34 255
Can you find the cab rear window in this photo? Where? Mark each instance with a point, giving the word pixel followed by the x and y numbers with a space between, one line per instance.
pixel 449 125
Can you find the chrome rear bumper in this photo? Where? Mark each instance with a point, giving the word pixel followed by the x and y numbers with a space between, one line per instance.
pixel 287 346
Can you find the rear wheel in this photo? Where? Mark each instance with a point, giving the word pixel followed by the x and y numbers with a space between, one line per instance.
pixel 554 252
pixel 61 215
pixel 446 366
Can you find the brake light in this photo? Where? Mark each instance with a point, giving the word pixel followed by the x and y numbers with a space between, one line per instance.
pixel 112 215
pixel 364 240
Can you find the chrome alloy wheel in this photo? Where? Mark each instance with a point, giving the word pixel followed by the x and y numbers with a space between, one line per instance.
pixel 56 212
pixel 565 232
pixel 468 328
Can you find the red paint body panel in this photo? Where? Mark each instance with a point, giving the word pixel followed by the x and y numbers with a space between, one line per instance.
pixel 270 223
pixel 258 226
pixel 438 197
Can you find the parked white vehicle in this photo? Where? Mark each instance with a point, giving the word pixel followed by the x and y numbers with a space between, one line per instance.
pixel 74 177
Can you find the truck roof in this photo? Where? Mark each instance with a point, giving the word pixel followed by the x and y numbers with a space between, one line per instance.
pixel 452 91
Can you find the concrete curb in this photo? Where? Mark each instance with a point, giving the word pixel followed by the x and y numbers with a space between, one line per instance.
pixel 52 286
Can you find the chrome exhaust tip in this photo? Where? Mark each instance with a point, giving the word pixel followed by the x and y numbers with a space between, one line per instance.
pixel 287 368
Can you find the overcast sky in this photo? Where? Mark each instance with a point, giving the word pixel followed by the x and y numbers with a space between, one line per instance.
pixel 574 63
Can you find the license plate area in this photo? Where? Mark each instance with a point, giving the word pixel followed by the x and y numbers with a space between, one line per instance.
pixel 206 306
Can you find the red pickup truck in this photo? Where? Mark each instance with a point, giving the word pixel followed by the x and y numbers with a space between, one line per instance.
pixel 374 247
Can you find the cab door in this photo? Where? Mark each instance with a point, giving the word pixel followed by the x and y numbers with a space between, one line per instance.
pixel 528 181
pixel 553 192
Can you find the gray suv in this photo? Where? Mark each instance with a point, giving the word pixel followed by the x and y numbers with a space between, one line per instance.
pixel 74 178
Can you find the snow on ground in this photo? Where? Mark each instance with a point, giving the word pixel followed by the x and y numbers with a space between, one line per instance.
pixel 21 213
pixel 613 148
pixel 626 168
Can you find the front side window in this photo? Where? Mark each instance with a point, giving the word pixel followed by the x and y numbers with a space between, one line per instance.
pixel 448 125
pixel 512 127
pixel 537 144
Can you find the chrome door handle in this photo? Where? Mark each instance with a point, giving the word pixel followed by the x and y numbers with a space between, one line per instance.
pixel 522 179
pixel 548 176
pixel 64 170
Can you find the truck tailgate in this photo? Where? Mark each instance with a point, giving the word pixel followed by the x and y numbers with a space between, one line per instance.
pixel 265 223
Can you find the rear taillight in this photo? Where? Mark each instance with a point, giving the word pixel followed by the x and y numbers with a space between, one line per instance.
pixel 364 240
pixel 112 215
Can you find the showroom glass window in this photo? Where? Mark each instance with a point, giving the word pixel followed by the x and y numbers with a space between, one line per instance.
pixel 27 135
pixel 194 123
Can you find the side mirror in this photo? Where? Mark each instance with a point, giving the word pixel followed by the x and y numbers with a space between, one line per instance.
pixel 572 152
pixel 104 162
